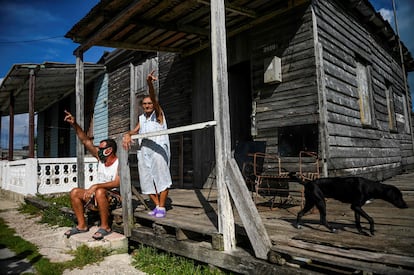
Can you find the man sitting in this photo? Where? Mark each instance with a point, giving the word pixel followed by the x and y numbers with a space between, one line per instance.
pixel 99 193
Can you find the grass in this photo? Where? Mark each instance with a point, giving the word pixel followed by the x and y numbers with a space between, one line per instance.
pixel 51 215
pixel 24 249
pixel 152 261
pixel 147 259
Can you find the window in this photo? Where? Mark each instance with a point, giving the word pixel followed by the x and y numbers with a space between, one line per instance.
pixel 293 139
pixel 401 112
pixel 389 95
pixel 366 106
pixel 406 121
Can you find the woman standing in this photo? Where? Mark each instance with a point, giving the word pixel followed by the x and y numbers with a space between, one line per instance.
pixel 153 153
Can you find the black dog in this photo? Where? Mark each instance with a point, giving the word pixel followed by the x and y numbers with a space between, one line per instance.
pixel 353 190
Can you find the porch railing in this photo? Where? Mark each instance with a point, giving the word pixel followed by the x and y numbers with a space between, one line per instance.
pixel 44 175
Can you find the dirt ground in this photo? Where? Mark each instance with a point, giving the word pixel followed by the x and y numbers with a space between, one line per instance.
pixel 50 241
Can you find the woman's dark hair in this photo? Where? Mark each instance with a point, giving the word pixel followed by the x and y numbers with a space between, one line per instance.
pixel 111 143
pixel 144 97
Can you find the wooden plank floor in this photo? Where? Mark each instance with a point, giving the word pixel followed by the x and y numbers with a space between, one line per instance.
pixel 192 216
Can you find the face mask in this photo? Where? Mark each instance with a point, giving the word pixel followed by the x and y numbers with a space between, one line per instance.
pixel 101 154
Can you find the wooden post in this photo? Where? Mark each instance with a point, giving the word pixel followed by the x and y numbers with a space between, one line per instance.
pixel 11 127
pixel 221 116
pixel 125 176
pixel 248 212
pixel 32 82
pixel 227 173
pixel 322 101
pixel 80 117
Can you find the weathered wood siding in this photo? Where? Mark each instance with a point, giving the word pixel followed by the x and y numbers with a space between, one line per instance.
pixel 100 115
pixel 375 151
pixel 175 88
pixel 174 94
pixel 294 101
pixel 202 110
pixel 238 49
pixel 119 101
pixel 340 39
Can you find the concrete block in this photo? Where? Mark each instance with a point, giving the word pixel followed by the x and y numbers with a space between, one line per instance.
pixel 115 243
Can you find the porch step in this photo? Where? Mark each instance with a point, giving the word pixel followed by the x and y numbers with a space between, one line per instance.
pixel 115 243
pixel 181 223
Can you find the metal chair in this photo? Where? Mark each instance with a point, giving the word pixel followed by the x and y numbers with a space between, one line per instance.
pixel 269 176
pixel 310 173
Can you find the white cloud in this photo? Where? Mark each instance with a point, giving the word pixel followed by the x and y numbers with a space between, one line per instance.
pixel 1 80
pixel 20 13
pixel 387 15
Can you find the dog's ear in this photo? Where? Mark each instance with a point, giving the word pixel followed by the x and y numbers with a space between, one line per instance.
pixel 294 176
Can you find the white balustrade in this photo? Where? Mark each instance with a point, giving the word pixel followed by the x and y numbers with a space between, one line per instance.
pixel 45 175
pixel 19 176
pixel 3 169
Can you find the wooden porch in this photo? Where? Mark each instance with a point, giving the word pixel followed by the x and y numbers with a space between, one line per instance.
pixel 190 230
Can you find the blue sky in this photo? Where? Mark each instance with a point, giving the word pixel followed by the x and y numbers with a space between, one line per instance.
pixel 33 32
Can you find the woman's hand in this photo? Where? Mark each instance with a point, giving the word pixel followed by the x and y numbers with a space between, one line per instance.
pixel 151 77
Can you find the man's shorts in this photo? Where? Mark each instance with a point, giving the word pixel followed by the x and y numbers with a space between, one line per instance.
pixel 114 201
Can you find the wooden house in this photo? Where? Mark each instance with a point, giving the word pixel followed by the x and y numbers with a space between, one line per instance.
pixel 322 76
pixel 283 75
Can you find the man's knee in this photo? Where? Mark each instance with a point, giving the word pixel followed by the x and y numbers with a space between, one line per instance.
pixel 75 192
pixel 100 193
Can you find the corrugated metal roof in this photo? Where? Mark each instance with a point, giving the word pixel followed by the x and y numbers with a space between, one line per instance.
pixel 53 82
